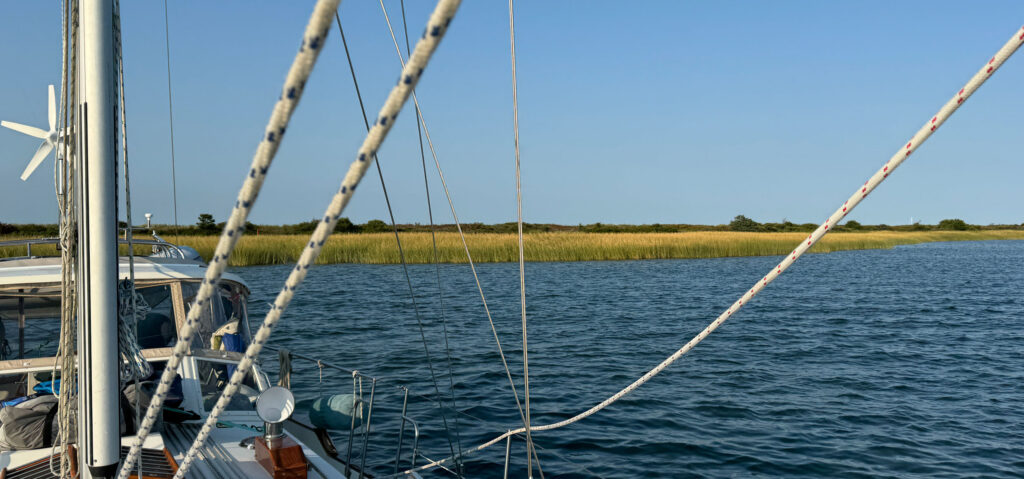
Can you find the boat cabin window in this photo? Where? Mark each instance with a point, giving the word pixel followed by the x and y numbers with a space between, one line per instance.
pixel 29 324
pixel 222 323
pixel 30 320
pixel 17 387
pixel 13 386
pixel 214 376
pixel 157 329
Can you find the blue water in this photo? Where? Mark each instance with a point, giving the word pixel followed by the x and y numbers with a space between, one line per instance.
pixel 889 363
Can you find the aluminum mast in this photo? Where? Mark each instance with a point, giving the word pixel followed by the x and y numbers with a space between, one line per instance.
pixel 99 435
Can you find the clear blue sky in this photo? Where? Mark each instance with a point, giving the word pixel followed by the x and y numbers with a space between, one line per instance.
pixel 630 112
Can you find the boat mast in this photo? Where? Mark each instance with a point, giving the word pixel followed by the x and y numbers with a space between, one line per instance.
pixel 98 403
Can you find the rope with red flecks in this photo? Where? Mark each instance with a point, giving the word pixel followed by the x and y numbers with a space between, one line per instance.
pixel 944 113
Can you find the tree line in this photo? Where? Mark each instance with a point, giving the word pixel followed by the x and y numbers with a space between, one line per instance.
pixel 206 224
pixel 742 223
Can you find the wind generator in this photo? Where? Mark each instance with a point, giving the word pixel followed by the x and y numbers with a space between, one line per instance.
pixel 50 138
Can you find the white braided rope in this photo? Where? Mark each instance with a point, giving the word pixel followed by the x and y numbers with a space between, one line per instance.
pixel 312 41
pixel 926 131
pixel 437 26
pixel 129 312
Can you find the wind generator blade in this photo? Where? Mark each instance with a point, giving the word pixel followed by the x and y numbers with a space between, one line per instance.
pixel 52 112
pixel 38 158
pixel 28 130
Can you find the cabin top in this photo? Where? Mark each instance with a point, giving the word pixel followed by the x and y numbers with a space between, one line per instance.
pixel 46 271
pixel 166 283
pixel 168 262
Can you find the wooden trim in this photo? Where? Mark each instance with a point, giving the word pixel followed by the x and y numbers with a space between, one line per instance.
pixel 43 290
pixel 29 363
pixel 170 461
pixel 178 300
pixel 73 459
pixel 47 363
pixel 21 325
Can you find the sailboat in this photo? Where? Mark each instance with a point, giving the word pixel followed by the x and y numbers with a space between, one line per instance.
pixel 165 282
pixel 91 434
pixel 200 403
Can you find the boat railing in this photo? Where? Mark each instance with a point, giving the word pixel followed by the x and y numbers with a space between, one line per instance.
pixel 401 436
pixel 357 404
pixel 28 243
pixel 405 417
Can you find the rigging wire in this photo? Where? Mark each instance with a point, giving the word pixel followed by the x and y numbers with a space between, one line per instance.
pixel 437 267
pixel 522 268
pixel 458 226
pixel 401 251
pixel 170 116
pixel 472 267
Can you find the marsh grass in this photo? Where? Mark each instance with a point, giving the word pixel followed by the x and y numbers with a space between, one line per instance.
pixel 379 248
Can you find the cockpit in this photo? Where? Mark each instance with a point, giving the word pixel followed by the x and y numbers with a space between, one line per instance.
pixel 30 317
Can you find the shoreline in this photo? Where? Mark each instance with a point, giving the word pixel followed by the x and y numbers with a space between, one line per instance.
pixel 379 248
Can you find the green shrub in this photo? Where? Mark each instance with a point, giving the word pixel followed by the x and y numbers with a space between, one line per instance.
pixel 742 223
pixel 345 225
pixel 954 224
pixel 375 226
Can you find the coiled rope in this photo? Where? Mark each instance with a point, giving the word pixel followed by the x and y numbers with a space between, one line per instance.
pixel 131 308
pixel 302 66
pixel 437 26
pixel 926 131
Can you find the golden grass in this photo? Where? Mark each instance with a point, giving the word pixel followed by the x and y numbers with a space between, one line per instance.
pixel 379 248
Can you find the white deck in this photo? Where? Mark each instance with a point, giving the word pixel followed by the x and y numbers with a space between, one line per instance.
pixel 225 457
